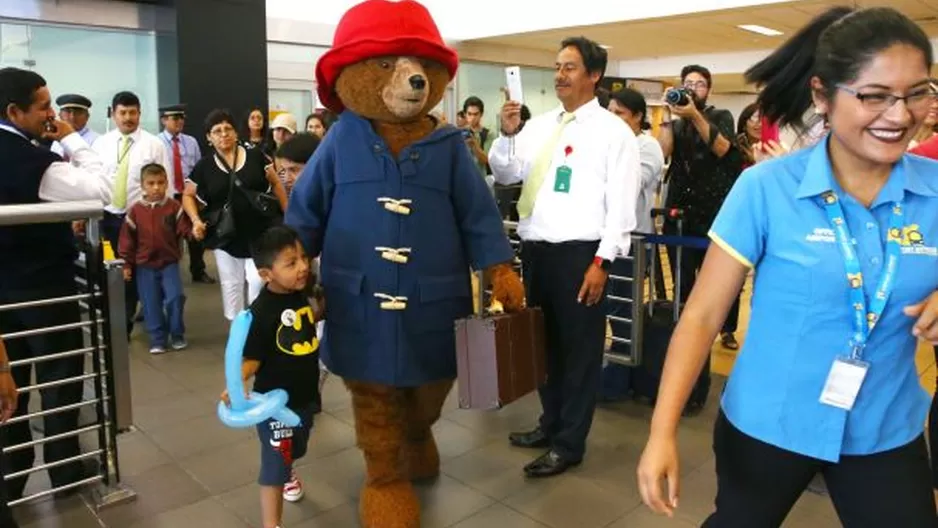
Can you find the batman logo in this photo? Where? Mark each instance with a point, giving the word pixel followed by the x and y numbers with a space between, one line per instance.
pixel 296 335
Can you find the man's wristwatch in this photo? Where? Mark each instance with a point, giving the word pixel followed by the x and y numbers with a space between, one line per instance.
pixel 602 263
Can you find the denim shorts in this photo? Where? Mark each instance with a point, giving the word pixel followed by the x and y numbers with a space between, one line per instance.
pixel 281 446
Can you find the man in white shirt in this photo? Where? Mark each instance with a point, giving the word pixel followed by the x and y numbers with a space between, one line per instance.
pixel 125 150
pixel 37 261
pixel 580 168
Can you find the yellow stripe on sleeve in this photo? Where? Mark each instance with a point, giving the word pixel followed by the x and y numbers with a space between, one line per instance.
pixel 725 246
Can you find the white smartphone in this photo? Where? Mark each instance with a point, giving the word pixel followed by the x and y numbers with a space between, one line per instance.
pixel 513 79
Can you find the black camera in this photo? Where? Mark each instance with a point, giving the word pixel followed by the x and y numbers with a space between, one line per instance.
pixel 678 96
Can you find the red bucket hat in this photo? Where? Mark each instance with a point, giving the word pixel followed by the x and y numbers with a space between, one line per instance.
pixel 376 28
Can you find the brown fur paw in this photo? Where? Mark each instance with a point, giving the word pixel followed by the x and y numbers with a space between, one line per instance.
pixel 507 288
pixel 393 505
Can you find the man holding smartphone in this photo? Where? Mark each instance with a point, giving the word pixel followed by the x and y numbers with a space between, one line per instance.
pixel 579 165
pixel 704 166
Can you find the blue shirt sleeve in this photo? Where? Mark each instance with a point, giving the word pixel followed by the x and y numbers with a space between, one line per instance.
pixel 483 232
pixel 311 200
pixel 740 228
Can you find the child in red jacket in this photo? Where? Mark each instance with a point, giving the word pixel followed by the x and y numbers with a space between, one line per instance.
pixel 150 243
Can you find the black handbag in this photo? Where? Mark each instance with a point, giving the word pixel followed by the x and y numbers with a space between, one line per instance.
pixel 263 203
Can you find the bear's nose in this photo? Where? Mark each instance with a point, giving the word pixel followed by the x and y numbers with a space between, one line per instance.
pixel 417 82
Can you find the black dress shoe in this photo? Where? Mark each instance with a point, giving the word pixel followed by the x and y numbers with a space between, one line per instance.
pixel 530 439
pixel 548 465
pixel 204 278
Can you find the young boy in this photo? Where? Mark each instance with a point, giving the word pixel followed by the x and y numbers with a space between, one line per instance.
pixel 282 352
pixel 290 160
pixel 149 241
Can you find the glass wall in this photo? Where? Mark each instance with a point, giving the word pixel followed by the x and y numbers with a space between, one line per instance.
pixel 297 102
pixel 94 62
pixel 486 81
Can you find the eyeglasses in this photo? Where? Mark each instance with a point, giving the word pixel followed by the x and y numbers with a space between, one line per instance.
pixel 879 102
pixel 223 131
pixel 692 85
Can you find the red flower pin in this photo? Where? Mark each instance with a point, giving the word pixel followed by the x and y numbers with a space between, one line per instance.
pixel 568 150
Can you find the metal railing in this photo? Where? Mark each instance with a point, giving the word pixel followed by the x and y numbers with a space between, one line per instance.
pixel 626 324
pixel 99 294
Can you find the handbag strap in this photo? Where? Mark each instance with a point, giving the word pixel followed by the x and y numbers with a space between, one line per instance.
pixel 232 173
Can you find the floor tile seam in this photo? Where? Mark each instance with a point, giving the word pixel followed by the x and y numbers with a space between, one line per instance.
pixel 521 513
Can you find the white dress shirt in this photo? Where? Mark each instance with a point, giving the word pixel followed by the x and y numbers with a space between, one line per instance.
pixel 189 155
pixel 146 148
pixel 90 136
pixel 652 161
pixel 82 179
pixel 604 184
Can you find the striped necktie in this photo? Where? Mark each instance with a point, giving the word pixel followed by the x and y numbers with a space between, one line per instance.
pixel 123 169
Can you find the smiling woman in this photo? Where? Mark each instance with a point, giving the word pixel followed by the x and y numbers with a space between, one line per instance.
pixel 826 382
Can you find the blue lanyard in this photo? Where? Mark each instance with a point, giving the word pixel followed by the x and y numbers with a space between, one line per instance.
pixel 865 315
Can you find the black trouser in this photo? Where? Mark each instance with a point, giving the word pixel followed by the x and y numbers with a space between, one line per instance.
pixel 196 254
pixel 111 230
pixel 757 484
pixel 46 371
pixel 691 262
pixel 575 333
pixel 933 434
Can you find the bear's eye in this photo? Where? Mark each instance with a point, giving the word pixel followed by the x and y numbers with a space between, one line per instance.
pixel 385 64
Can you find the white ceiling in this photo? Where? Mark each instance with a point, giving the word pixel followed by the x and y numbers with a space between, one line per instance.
pixel 473 19
pixel 706 33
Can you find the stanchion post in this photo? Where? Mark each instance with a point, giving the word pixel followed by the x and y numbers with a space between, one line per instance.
pixel 639 270
pixel 119 357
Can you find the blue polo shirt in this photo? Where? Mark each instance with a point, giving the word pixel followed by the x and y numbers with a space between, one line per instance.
pixel 774 221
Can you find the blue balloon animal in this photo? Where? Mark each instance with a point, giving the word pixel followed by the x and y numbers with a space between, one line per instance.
pixel 248 412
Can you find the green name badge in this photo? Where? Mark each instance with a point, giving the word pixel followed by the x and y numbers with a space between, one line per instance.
pixel 562 180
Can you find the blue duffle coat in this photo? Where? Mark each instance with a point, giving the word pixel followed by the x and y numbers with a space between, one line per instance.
pixel 397 239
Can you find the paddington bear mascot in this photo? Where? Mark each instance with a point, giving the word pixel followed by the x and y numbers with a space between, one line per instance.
pixel 395 206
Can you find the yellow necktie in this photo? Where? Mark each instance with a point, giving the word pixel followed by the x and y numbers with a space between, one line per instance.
pixel 123 168
pixel 532 184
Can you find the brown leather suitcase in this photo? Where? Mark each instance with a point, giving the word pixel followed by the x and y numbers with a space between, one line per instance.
pixel 500 358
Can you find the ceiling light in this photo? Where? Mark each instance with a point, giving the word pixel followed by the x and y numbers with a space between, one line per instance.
pixel 762 30
pixel 605 46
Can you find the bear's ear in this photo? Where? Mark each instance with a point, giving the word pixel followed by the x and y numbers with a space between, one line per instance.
pixel 359 88
pixel 439 80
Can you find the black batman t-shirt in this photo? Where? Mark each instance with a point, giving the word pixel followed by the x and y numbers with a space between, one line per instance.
pixel 283 338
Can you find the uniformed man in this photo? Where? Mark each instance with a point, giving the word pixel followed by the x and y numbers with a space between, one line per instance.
pixel 75 110
pixel 37 262
pixel 183 151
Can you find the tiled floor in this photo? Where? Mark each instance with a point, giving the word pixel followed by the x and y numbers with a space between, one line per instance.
pixel 189 470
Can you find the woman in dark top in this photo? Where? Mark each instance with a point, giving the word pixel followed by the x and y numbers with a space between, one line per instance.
pixel 209 189
pixel 256 132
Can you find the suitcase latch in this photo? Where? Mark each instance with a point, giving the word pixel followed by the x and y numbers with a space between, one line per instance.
pixel 396 206
pixel 398 255
pixel 392 303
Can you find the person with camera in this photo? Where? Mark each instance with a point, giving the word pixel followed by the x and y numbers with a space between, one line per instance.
pixel 704 165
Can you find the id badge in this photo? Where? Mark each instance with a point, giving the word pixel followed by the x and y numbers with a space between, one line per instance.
pixel 844 382
pixel 562 179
